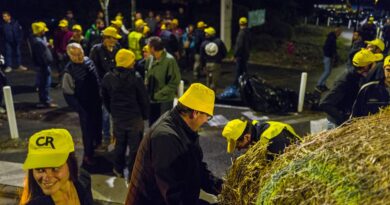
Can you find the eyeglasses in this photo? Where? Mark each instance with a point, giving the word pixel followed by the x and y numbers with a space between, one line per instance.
pixel 209 117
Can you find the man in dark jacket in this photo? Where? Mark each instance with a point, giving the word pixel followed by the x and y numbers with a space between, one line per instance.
pixel 242 49
pixel 169 167
pixel 330 55
pixel 199 37
pixel 369 30
pixel 42 58
pixel 373 95
pixel 103 56
pixel 338 102
pixel 125 97
pixel 80 85
pixel 212 50
pixel 12 35
pixel 94 34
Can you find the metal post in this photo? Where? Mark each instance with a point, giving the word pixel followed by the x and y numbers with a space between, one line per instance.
pixel 9 104
pixel 328 23
pixel 181 89
pixel 226 22
pixel 305 20
pixel 317 21
pixel 302 91
pixel 349 23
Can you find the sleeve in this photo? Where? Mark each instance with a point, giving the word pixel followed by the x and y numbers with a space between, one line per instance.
pixel 68 84
pixel 210 183
pixel 167 161
pixel 88 35
pixel 142 98
pixel 105 93
pixel 174 77
pixel 239 45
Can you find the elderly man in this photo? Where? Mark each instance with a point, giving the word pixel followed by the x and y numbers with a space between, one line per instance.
pixel 169 167
pixel 80 85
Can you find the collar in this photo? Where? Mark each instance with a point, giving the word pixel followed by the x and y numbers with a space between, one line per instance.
pixel 192 135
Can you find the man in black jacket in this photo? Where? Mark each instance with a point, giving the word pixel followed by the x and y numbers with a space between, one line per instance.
pixel 169 167
pixel 338 102
pixel 241 49
pixel 80 85
pixel 42 58
pixel 212 51
pixel 330 55
pixel 125 97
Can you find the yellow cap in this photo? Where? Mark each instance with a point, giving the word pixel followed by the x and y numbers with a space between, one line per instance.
pixel 371 19
pixel 124 58
pixel 117 22
pixel 37 28
pixel 365 57
pixel 243 20
pixel 200 98
pixel 44 25
pixel 376 42
pixel 48 148
pixel 232 131
pixel 139 23
pixel 119 17
pixel 201 24
pixel 146 30
pixel 112 32
pixel 175 21
pixel 63 23
pixel 210 31
pixel 77 27
pixel 386 62
pixel 163 27
pixel 146 49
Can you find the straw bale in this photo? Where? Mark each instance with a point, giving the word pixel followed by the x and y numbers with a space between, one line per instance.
pixel 347 165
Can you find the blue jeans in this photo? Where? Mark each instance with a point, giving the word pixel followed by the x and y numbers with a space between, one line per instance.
pixel 241 68
pixel 106 123
pixel 12 54
pixel 327 68
pixel 44 82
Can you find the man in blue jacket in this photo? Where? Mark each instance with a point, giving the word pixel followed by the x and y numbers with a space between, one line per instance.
pixel 11 33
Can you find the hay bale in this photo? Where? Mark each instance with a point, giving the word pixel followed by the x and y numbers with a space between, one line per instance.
pixel 347 165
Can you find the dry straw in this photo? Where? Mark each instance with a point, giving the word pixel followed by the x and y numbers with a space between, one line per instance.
pixel 347 165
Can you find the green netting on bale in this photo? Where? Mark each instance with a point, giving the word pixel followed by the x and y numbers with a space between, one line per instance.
pixel 347 165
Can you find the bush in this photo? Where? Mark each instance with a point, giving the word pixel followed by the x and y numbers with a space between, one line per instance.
pixel 264 42
pixel 277 29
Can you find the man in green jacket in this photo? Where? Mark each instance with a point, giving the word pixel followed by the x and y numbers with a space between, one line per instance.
pixel 162 78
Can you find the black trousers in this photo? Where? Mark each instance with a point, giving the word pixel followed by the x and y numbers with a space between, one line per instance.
pixel 129 136
pixel 158 109
pixel 91 129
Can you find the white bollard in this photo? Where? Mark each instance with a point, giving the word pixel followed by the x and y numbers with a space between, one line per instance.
pixel 328 23
pixel 305 20
pixel 9 104
pixel 317 21
pixel 349 24
pixel 302 91
pixel 181 89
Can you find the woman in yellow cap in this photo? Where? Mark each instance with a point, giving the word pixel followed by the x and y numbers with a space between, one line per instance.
pixel 52 172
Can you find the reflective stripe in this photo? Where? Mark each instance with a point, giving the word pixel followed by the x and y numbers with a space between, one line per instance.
pixel 274 129
pixel 134 40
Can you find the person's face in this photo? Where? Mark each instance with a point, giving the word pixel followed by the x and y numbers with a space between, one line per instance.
pixel 151 14
pixel 69 15
pixel 373 48
pixel 190 28
pixel 100 25
pixel 198 119
pixel 63 28
pixel 364 70
pixel 387 75
pixel 138 16
pixel 338 32
pixel 146 54
pixel 355 36
pixel 52 179
pixel 76 55
pixel 6 18
pixel 77 33
pixel 110 41
pixel 243 142
pixel 100 14
pixel 158 18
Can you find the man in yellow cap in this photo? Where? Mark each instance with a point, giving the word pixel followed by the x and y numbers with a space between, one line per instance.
pixel 61 38
pixel 242 49
pixel 136 39
pixel 212 51
pixel 275 135
pixel 373 95
pixel 125 97
pixel 339 101
pixel 199 37
pixel 103 55
pixel 81 89
pixel 369 30
pixel 42 58
pixel 122 31
pixel 78 37
pixel 169 168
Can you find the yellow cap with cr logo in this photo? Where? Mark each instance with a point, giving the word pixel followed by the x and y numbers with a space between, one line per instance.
pixel 48 148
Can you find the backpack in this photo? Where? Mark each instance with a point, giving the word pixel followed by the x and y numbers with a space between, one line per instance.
pixel 262 97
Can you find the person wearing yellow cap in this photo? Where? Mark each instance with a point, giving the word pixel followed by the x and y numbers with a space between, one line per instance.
pixel 122 31
pixel 125 97
pixel 103 56
pixel 176 30
pixel 339 100
pixel 275 135
pixel 242 49
pixel 212 50
pixel 42 58
pixel 199 37
pixel 136 39
pixel 373 95
pixel 140 65
pixel 52 175
pixel 61 39
pixel 170 157
pixel 78 37
pixel 169 39
pixel 163 78
pixel 80 87
pixel 369 29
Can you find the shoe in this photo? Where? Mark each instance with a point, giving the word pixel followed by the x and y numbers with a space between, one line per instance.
pixel 324 88
pixel 2 110
pixel 321 88
pixel 101 148
pixel 47 105
pixel 8 69
pixel 22 68
pixel 117 174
